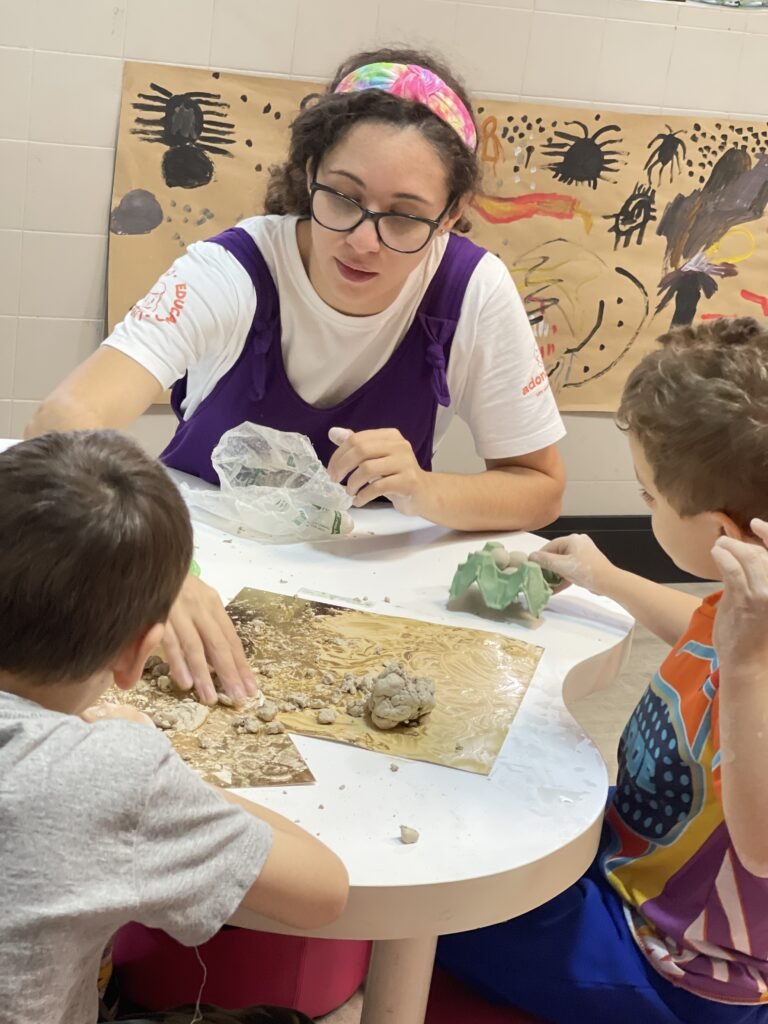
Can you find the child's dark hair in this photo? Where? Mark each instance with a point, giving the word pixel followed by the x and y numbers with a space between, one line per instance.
pixel 699 408
pixel 96 542
pixel 322 124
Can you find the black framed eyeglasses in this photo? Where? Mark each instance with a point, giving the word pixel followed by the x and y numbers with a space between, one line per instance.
pixel 402 232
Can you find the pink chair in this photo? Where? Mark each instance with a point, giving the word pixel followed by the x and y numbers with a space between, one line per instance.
pixel 244 968
pixel 450 1002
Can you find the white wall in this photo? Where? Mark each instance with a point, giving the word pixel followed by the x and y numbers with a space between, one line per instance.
pixel 60 73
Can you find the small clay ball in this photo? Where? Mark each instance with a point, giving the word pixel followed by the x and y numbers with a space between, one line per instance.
pixel 408 835
pixel 500 557
pixel 267 711
pixel 326 716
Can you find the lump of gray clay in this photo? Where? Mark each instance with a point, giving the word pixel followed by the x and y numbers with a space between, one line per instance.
pixel 326 716
pixel 398 697
pixel 408 835
pixel 267 711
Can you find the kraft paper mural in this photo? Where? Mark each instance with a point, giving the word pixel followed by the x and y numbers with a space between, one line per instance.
pixel 615 226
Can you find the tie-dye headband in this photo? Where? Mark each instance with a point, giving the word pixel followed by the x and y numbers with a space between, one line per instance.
pixel 421 85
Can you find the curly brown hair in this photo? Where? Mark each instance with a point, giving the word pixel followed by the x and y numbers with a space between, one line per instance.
pixel 699 408
pixel 325 120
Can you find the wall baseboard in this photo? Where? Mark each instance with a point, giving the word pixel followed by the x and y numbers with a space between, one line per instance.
pixel 627 540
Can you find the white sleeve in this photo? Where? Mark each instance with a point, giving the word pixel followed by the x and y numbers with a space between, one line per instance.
pixel 505 399
pixel 193 315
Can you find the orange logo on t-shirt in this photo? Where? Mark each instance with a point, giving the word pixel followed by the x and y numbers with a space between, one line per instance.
pixel 161 304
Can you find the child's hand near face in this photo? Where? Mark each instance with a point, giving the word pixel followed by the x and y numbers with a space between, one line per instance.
pixel 102 712
pixel 578 560
pixel 740 634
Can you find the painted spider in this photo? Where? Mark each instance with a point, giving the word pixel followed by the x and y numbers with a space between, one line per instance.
pixel 636 213
pixel 668 152
pixel 583 159
pixel 186 125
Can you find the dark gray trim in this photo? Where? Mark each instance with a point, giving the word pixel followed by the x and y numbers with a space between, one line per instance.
pixel 627 540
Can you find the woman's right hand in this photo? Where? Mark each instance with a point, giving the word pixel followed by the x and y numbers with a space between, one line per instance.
pixel 199 633
pixel 578 560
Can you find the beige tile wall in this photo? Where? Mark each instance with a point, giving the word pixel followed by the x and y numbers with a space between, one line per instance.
pixel 60 73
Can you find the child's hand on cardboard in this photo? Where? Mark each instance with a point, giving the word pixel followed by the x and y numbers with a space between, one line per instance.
pixel 578 560
pixel 104 712
pixel 741 625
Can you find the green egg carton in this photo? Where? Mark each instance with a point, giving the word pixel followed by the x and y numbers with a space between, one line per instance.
pixel 503 577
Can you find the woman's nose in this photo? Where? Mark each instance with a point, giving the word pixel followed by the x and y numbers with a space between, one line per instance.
pixel 364 238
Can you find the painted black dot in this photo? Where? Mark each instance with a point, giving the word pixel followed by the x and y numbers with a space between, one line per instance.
pixel 249 143
pixel 173 202
pixel 521 135
pixel 691 174
pixel 504 132
pixel 694 138
pixel 480 110
pixel 718 125
pixel 216 74
pixel 620 323
pixel 186 220
pixel 586 369
pixel 601 347
pixel 267 109
pixel 697 127
pixel 510 119
pixel 619 301
pixel 542 128
pixel 278 115
pixel 516 168
pixel 244 98
pixel 689 163
pixel 187 209
pixel 597 117
pixel 554 124
pixel 257 167
pixel 539 120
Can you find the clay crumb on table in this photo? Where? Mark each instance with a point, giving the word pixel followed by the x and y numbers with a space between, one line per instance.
pixel 408 835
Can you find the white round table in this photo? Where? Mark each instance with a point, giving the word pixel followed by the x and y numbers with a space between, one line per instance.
pixel 490 848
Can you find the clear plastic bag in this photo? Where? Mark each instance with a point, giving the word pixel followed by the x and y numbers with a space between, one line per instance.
pixel 274 487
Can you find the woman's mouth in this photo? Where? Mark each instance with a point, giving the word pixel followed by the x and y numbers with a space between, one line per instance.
pixel 353 274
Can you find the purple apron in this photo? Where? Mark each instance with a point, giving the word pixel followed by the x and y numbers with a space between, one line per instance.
pixel 403 394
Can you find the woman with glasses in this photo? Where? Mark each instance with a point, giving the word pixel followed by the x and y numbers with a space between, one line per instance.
pixel 356 312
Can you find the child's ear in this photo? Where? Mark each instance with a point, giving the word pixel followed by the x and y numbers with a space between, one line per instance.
pixel 129 663
pixel 728 527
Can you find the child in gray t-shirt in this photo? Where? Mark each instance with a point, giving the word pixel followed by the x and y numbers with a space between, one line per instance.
pixel 101 822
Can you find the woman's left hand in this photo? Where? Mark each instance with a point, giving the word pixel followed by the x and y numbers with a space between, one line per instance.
pixel 378 463
pixel 740 635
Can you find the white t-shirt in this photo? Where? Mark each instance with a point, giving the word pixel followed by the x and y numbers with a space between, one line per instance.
pixel 100 825
pixel 196 319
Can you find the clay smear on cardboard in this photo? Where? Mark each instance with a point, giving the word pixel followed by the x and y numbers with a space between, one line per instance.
pixel 311 657
pixel 215 741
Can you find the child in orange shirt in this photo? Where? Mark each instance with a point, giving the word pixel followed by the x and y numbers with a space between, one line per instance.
pixel 670 924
